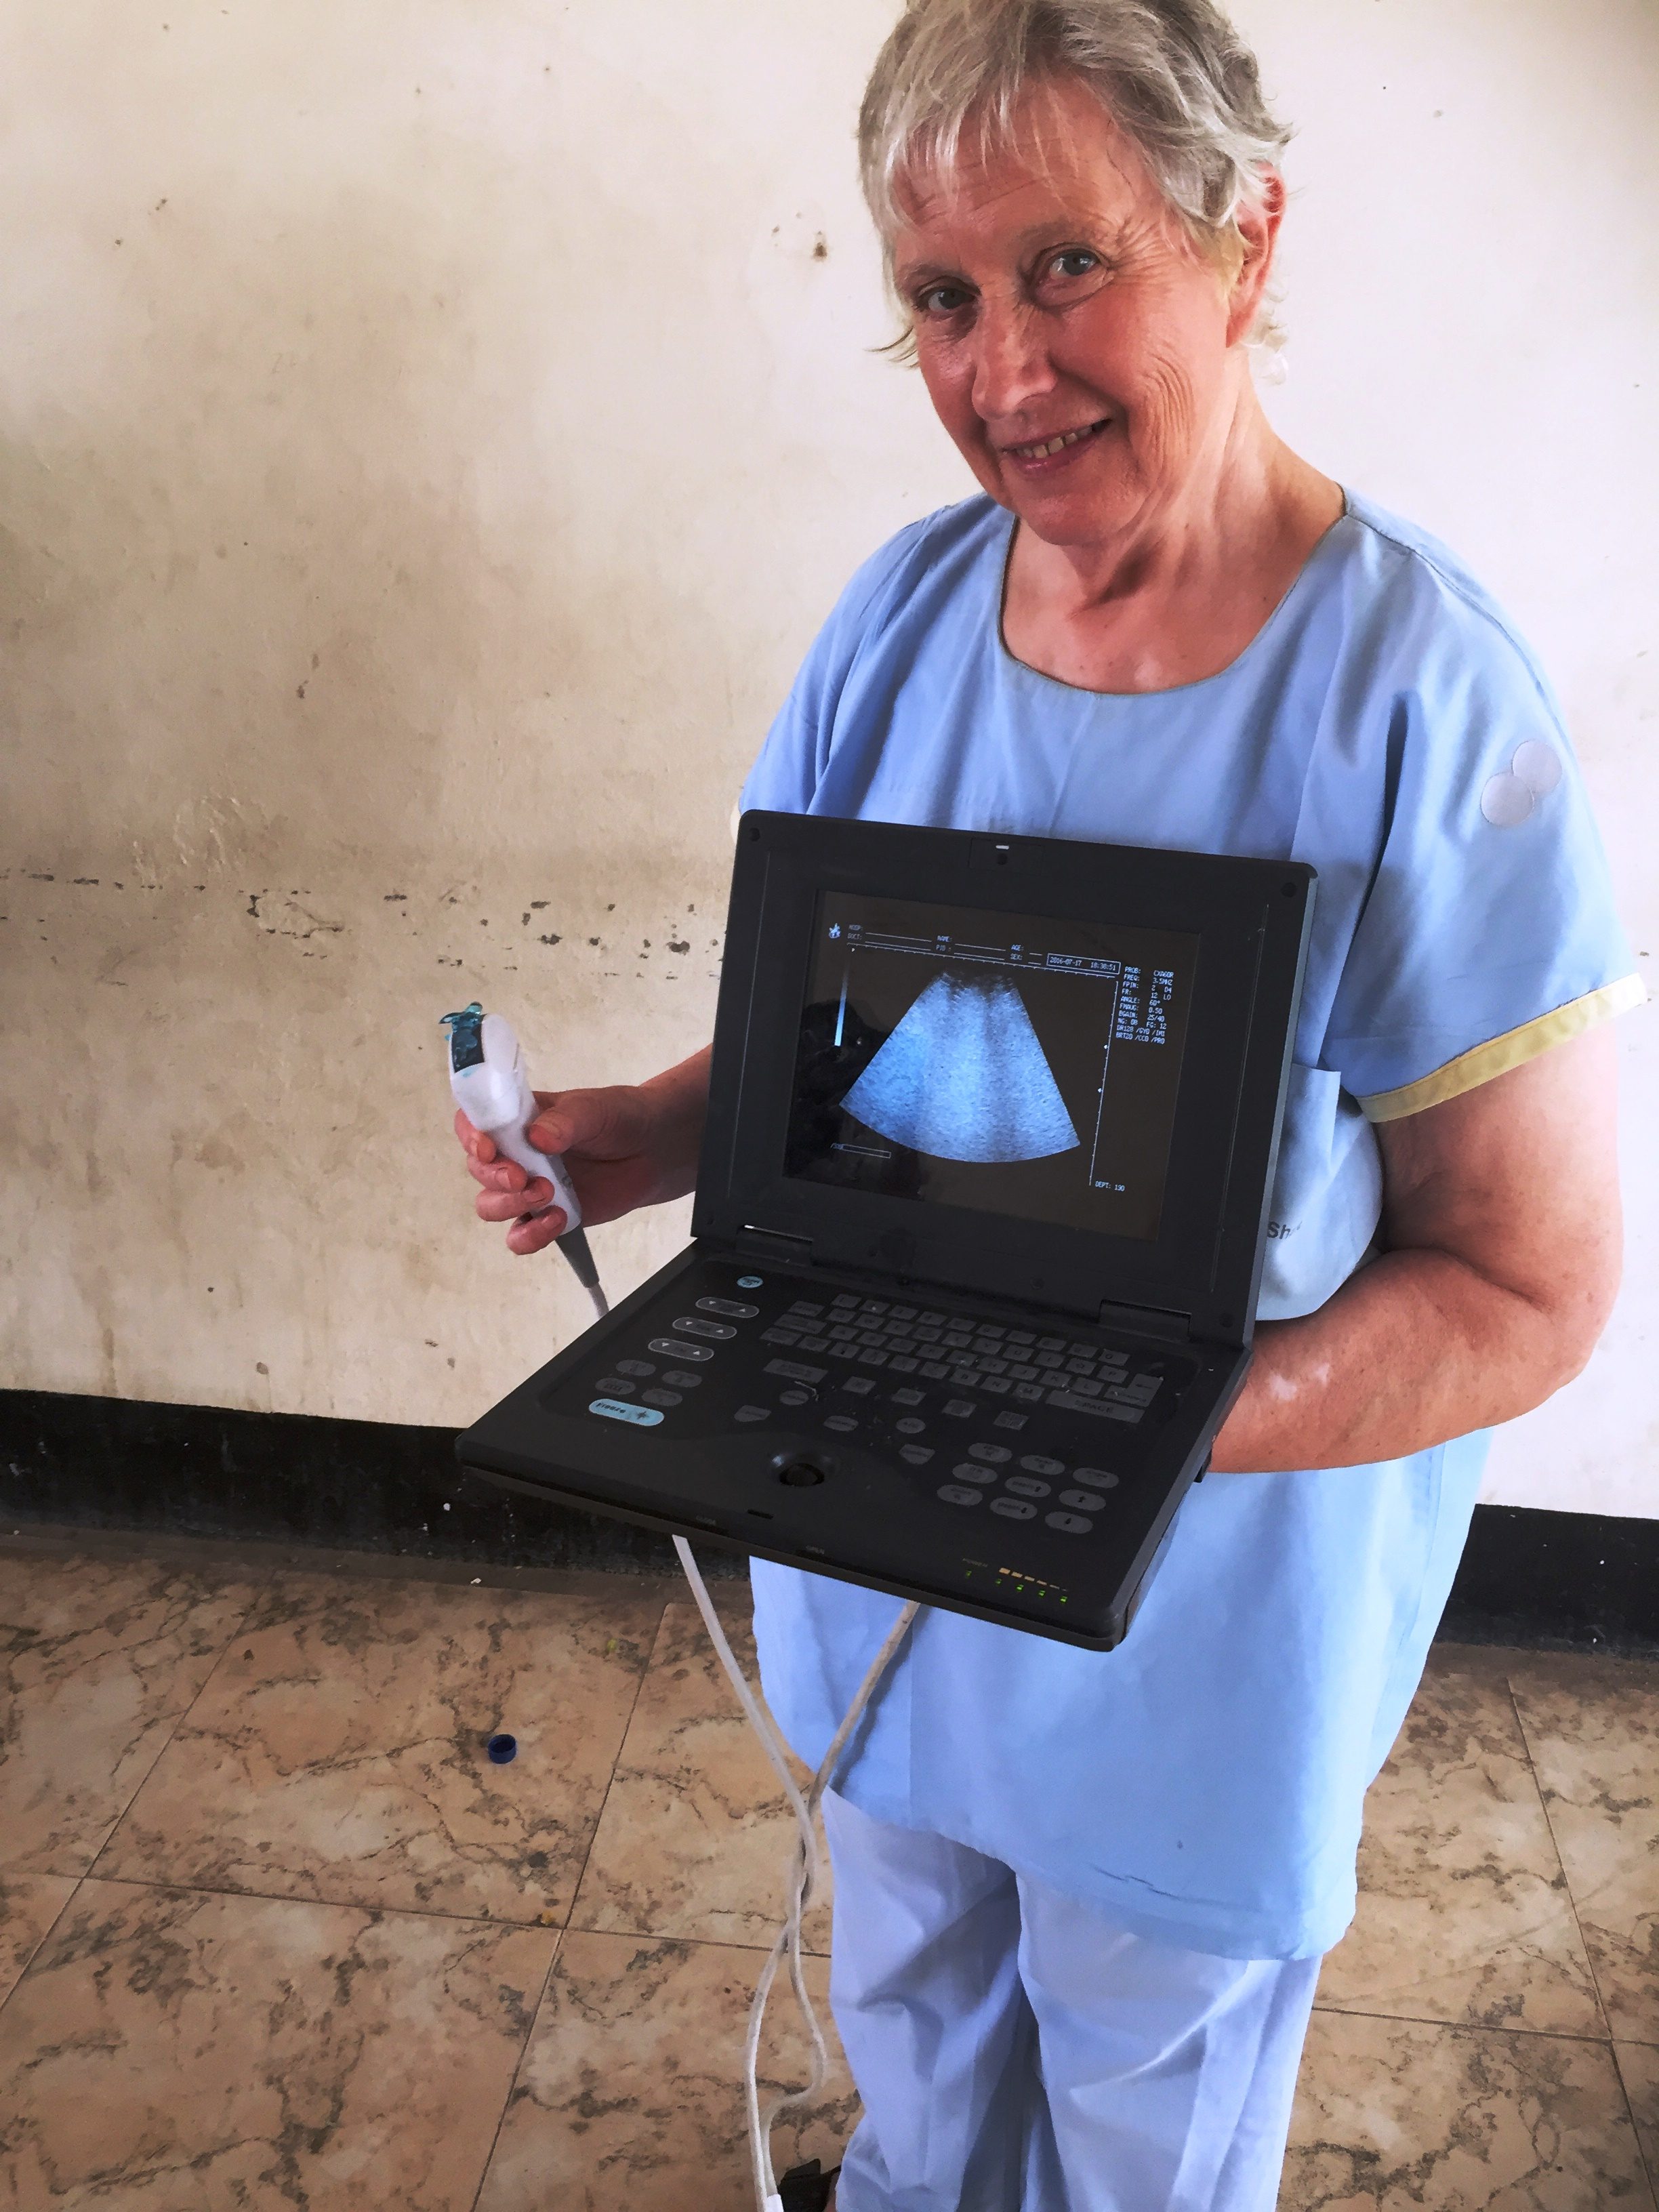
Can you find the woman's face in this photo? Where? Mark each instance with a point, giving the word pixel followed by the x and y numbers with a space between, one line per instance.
pixel 1056 299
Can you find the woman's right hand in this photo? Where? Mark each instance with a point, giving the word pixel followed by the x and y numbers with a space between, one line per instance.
pixel 628 1145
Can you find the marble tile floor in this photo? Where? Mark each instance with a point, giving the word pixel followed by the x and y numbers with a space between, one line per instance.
pixel 275 1933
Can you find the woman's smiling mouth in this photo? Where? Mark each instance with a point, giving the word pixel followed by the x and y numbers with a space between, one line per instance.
pixel 1038 452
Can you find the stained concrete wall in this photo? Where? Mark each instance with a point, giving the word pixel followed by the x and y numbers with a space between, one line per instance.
pixel 430 435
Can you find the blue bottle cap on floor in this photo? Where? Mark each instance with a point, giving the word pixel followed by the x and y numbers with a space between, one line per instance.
pixel 502 1748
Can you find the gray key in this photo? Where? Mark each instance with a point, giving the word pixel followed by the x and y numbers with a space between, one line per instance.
pixel 1096 1477
pixel 1030 1393
pixel 998 1385
pixel 1010 1421
pixel 843 1423
pixel 1013 1509
pixel 994 1455
pixel 793 1371
pixel 688 1325
pixel 1069 1524
pixel 1100 1408
pixel 617 1386
pixel 916 1455
pixel 729 1307
pixel 932 1370
pixel 794 1397
pixel 814 1344
pixel 677 1380
pixel 1083 1501
pixel 954 1494
pixel 1034 1463
pixel 901 1364
pixel 1027 1485
pixel 907 1397
pixel 635 1367
pixel 965 1471
pixel 674 1350
pixel 910 1426
pixel 958 1409
pixel 664 1398
pixel 753 1413
pixel 858 1386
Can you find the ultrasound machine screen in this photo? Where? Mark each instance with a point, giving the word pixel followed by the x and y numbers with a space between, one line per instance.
pixel 1009 1063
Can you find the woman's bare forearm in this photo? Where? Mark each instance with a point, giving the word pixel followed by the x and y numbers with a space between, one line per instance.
pixel 1414 1349
pixel 680 1095
pixel 1501 1212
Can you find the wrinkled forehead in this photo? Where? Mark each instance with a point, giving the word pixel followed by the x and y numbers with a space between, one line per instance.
pixel 1055 151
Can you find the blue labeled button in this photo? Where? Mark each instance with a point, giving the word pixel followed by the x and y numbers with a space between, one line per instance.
pixel 748 1282
pixel 642 1417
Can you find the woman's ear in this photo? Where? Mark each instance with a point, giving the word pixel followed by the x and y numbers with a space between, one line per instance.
pixel 1257 227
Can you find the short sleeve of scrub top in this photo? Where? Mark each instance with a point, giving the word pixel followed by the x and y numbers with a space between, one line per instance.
pixel 1204 1783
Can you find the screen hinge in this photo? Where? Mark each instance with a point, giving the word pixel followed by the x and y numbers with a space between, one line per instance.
pixel 1148 1320
pixel 768 1244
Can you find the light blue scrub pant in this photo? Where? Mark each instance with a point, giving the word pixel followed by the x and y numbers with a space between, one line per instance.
pixel 1017 2053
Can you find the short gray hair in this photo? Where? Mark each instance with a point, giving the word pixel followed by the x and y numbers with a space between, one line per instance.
pixel 1174 76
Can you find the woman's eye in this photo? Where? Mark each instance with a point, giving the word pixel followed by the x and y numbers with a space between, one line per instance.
pixel 1075 261
pixel 941 299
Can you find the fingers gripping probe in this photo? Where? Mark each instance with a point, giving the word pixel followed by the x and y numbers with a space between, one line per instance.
pixel 488 1082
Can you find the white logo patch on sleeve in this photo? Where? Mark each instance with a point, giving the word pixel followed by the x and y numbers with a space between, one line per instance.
pixel 1508 798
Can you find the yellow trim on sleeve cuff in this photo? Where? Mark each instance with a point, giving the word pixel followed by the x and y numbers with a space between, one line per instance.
pixel 1499 1053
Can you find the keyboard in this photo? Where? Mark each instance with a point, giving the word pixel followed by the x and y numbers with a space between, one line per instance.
pixel 1033 1424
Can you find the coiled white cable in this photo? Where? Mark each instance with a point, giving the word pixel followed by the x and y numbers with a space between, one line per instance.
pixel 805 1869
pixel 806 1864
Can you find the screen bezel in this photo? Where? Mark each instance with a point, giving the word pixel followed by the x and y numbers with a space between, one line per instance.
pixel 1251 918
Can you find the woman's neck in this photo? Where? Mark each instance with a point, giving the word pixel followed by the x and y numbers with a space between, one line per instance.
pixel 1178 595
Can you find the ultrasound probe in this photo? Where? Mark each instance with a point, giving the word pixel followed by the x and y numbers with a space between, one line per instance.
pixel 488 1082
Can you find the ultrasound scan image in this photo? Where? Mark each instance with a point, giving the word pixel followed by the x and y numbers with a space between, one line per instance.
pixel 963 1078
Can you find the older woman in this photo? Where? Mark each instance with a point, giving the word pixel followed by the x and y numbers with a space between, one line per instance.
pixel 1080 1898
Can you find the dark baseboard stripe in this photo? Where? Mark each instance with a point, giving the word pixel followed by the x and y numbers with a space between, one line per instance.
pixel 288 1478
pixel 1575 1580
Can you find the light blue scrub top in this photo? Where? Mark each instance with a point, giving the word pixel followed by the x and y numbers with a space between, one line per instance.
pixel 1203 1783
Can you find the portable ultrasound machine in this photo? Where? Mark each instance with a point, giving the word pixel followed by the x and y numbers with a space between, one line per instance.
pixel 977 1237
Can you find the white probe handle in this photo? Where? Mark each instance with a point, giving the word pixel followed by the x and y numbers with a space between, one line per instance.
pixel 496 1098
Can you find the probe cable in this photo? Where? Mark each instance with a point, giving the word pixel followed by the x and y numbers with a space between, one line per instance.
pixel 805 1868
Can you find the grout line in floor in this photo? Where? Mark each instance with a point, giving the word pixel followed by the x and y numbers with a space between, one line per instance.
pixel 611 1778
pixel 1566 1879
pixel 46 1934
pixel 576 1890
pixel 331 1904
pixel 257 1591
pixel 1648 2167
pixel 1465 2026
pixel 518 2069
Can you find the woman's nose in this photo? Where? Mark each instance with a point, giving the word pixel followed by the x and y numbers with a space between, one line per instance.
pixel 1012 368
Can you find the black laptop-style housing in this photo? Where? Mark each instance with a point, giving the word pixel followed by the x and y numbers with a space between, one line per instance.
pixel 1188 1290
